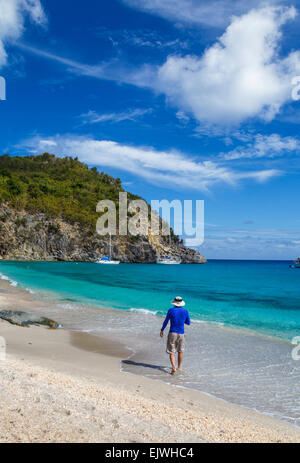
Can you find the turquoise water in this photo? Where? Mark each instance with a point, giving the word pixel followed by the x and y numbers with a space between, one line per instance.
pixel 244 316
pixel 261 296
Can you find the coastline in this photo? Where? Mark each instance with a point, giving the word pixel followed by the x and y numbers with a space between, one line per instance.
pixel 64 386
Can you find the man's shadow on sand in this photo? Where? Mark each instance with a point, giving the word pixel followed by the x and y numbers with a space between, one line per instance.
pixel 146 365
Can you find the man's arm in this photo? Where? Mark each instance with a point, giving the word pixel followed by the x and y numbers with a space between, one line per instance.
pixel 187 320
pixel 165 324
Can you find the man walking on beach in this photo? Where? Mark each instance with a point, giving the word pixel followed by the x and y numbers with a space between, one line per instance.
pixel 178 317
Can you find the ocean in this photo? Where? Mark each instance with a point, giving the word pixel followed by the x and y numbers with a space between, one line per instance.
pixel 244 314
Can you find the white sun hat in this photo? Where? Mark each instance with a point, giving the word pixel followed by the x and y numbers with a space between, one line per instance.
pixel 178 302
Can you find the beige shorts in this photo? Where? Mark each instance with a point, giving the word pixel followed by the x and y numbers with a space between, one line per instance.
pixel 175 343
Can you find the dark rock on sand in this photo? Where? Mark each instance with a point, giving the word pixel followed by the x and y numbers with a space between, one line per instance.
pixel 25 319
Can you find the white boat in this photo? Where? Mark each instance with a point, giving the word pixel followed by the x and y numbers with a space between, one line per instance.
pixel 168 261
pixel 107 259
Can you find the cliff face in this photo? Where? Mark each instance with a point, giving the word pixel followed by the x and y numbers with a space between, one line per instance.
pixel 28 236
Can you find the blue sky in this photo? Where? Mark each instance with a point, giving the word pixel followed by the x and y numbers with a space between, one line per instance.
pixel 181 99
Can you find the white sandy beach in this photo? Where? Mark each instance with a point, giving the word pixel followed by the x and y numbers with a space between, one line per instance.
pixel 62 386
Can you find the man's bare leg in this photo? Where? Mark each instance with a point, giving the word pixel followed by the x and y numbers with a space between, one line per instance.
pixel 180 358
pixel 172 360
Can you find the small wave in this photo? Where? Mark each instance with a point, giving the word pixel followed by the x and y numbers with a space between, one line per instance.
pixel 14 283
pixel 92 330
pixel 207 322
pixel 30 290
pixel 6 278
pixel 67 306
pixel 144 311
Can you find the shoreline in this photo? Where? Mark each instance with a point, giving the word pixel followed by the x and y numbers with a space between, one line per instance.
pixel 70 387
pixel 38 297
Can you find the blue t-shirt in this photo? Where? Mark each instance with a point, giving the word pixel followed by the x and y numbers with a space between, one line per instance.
pixel 178 316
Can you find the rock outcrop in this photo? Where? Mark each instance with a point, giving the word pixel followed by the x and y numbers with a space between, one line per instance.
pixel 29 237
pixel 26 319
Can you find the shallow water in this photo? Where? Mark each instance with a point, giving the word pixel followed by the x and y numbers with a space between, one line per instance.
pixel 238 346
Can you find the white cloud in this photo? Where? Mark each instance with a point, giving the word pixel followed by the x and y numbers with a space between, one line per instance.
pixel 132 114
pixel 264 146
pixel 12 19
pixel 171 169
pixel 73 66
pixel 140 38
pixel 214 13
pixel 250 244
pixel 249 247
pixel 110 70
pixel 35 10
pixel 240 77
pixel 182 117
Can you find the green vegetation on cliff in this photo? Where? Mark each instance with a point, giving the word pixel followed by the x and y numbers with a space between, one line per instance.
pixel 57 187
pixel 48 212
